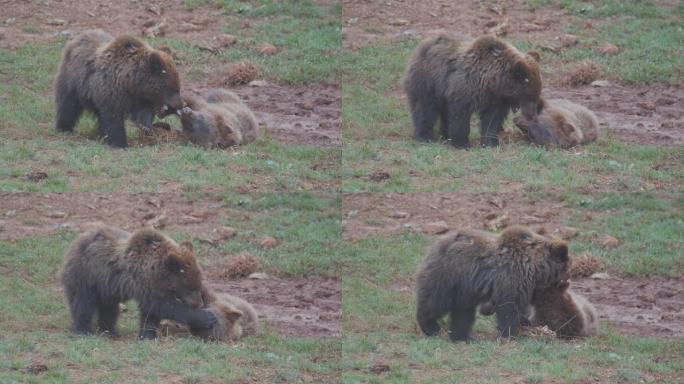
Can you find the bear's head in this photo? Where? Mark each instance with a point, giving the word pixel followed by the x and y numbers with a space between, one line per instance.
pixel 149 74
pixel 171 270
pixel 552 126
pixel 547 256
pixel 512 75
pixel 198 127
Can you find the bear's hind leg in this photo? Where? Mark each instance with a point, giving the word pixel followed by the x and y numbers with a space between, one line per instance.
pixel 456 120
pixel 69 110
pixel 424 115
pixel 461 323
pixel 149 322
pixel 83 305
pixel 112 128
pixel 107 317
pixel 491 123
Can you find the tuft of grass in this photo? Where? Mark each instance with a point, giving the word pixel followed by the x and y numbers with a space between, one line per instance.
pixel 650 36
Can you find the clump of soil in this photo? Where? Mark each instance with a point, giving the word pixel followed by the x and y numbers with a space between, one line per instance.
pixel 242 72
pixel 585 265
pixel 582 74
pixel 242 265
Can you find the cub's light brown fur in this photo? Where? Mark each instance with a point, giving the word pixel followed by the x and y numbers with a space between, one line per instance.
pixel 560 123
pixel 218 119
pixel 236 317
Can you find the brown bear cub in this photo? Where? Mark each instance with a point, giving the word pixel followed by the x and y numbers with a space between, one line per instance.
pixel 560 123
pixel 449 77
pixel 466 268
pixel 565 312
pixel 114 78
pixel 218 119
pixel 236 318
pixel 108 266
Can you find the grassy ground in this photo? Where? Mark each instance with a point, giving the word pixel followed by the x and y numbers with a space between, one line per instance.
pixel 308 37
pixel 632 191
pixel 33 308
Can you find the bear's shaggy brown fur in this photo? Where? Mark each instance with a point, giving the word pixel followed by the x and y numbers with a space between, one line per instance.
pixel 449 77
pixel 114 79
pixel 466 269
pixel 565 312
pixel 236 317
pixel 560 123
pixel 107 266
pixel 218 119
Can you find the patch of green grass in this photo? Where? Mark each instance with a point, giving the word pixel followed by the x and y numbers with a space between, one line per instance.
pixel 650 229
pixel 307 35
pixel 379 324
pixel 90 166
pixel 307 227
pixel 650 36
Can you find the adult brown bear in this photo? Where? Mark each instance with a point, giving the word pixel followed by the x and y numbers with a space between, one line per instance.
pixel 114 79
pixel 467 268
pixel 108 266
pixel 449 77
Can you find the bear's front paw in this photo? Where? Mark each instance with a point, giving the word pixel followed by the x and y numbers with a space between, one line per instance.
pixel 204 319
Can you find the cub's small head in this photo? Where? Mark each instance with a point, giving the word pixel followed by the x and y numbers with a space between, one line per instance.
pixel 198 127
pixel 172 269
pixel 150 73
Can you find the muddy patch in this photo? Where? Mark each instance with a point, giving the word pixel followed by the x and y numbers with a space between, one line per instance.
pixel 645 115
pixel 370 214
pixel 308 307
pixel 300 115
pixel 367 22
pixel 651 308
pixel 39 21
pixel 32 214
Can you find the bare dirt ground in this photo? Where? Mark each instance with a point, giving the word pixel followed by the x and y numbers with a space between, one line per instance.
pixel 308 307
pixel 374 214
pixel 645 115
pixel 31 214
pixel 652 307
pixel 294 307
pixel 299 115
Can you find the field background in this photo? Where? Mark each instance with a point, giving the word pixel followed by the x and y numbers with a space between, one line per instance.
pixel 626 187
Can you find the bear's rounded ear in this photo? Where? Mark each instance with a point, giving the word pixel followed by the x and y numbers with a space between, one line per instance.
pixel 559 251
pixel 166 50
pixel 233 315
pixel 156 62
pixel 173 264
pixel 520 72
pixel 187 246
pixel 535 55
pixel 568 128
